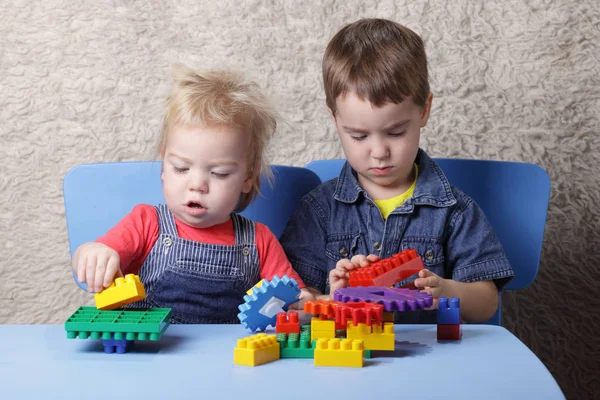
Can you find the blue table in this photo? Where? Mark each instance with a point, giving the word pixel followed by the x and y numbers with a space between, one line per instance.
pixel 196 361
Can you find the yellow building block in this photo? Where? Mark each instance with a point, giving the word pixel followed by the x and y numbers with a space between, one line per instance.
pixel 388 316
pixel 122 291
pixel 373 336
pixel 259 284
pixel 256 350
pixel 339 353
pixel 322 329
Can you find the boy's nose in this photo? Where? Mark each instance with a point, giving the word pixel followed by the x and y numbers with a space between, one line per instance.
pixel 380 151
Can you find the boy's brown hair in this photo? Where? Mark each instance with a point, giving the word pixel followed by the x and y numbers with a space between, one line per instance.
pixel 377 59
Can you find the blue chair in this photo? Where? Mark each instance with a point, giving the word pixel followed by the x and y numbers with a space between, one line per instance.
pixel 514 197
pixel 97 196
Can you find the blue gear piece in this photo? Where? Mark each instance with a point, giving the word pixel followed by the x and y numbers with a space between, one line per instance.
pixel 284 289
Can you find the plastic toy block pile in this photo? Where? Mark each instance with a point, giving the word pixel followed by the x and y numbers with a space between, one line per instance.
pixel 116 327
pixel 342 331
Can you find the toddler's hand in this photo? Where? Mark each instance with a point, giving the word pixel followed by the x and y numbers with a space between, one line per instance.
pixel 338 277
pixel 96 265
pixel 305 295
pixel 433 284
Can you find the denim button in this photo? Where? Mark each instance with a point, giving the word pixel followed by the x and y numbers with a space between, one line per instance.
pixel 429 255
pixel 377 246
pixel 344 252
pixel 246 252
pixel 167 242
pixel 370 203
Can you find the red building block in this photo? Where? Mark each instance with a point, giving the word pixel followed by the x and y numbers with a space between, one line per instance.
pixel 360 312
pixel 388 271
pixel 287 323
pixel 448 332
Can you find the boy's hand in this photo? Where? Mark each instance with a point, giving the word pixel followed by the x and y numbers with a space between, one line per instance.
pixel 96 265
pixel 338 277
pixel 433 284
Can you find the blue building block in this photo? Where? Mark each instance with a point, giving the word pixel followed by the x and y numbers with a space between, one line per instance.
pixel 116 345
pixel 448 311
pixel 261 307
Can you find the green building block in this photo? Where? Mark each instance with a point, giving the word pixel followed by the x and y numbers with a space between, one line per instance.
pixel 294 346
pixel 89 322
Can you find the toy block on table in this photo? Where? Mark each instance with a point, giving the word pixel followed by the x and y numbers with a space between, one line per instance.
pixel 116 345
pixel 122 291
pixel 324 309
pixel 339 353
pixel 287 323
pixel 262 306
pixel 89 322
pixel 387 271
pixel 448 332
pixel 374 337
pixel 392 299
pixel 256 350
pixel 295 346
pixel 448 312
pixel 322 329
pixel 360 312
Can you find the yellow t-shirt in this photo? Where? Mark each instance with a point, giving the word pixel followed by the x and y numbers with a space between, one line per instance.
pixel 388 205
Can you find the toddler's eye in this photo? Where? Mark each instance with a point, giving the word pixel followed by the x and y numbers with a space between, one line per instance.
pixel 219 175
pixel 358 138
pixel 179 170
pixel 397 134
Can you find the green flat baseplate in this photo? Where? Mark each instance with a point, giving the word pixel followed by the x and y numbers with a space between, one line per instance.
pixel 143 324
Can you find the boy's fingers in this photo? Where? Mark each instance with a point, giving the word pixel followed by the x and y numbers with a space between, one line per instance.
pixel 359 259
pixel 373 257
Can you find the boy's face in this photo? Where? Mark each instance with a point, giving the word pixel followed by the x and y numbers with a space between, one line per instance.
pixel 205 170
pixel 381 143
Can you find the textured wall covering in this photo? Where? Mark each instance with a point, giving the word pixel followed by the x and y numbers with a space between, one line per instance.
pixel 513 80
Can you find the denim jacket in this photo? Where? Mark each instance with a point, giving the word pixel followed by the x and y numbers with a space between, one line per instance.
pixel 449 231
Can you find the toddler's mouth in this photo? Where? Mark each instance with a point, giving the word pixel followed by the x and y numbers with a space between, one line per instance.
pixel 194 204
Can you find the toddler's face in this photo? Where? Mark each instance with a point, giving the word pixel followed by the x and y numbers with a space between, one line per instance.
pixel 380 143
pixel 205 170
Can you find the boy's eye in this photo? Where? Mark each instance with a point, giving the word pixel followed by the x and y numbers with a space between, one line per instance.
pixel 397 134
pixel 179 170
pixel 358 138
pixel 219 175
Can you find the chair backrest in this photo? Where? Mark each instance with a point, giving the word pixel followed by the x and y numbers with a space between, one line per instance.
pixel 97 196
pixel 514 197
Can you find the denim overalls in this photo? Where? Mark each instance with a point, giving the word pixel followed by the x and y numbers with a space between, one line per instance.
pixel 203 283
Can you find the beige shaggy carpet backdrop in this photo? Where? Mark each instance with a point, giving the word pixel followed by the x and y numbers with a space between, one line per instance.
pixel 84 81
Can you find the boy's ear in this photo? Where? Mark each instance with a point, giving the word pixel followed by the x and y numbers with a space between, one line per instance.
pixel 426 110
pixel 330 113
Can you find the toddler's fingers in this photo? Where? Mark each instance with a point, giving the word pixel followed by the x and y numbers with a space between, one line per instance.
pixel 112 271
pixel 99 274
pixel 80 268
pixel 90 272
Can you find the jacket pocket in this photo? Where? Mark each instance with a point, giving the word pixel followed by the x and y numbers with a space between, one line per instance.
pixel 345 245
pixel 431 251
